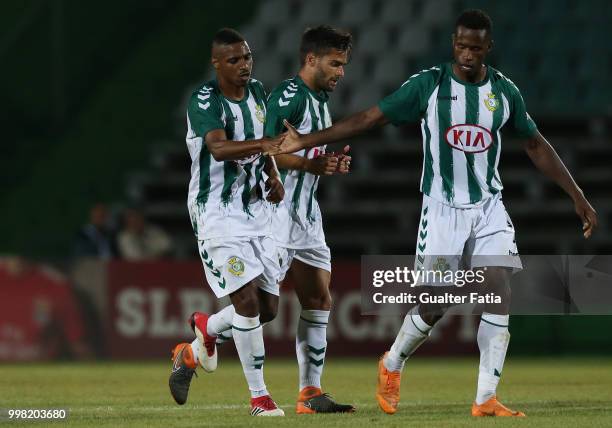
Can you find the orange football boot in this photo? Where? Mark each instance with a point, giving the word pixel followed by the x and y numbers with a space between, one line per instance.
pixel 492 407
pixel 306 394
pixel 312 400
pixel 183 369
pixel 388 388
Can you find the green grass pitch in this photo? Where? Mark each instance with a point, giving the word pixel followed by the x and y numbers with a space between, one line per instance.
pixel 563 392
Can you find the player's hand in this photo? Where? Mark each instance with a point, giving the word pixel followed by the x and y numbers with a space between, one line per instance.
pixel 292 140
pixel 344 160
pixel 275 189
pixel 272 146
pixel 587 214
pixel 325 164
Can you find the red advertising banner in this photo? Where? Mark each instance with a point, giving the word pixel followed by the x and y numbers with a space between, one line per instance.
pixel 40 319
pixel 149 303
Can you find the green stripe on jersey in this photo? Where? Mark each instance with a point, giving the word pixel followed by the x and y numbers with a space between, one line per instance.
pixel 246 191
pixel 471 118
pixel 446 152
pixel 311 198
pixel 295 199
pixel 249 134
pixel 229 119
pixel 316 179
pixel 258 171
pixel 428 160
pixel 230 168
pixel 205 159
pixel 283 174
pixel 498 116
pixel 230 172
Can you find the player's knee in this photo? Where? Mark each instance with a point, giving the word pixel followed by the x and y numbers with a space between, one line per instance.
pixel 321 301
pixel 431 318
pixel 268 310
pixel 267 315
pixel 498 282
pixel 431 313
pixel 245 301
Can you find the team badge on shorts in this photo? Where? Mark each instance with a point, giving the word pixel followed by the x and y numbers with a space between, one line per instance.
pixel 235 266
pixel 491 103
pixel 441 265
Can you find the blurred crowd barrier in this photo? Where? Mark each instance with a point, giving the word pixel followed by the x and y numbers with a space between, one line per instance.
pixel 135 310
pixel 101 309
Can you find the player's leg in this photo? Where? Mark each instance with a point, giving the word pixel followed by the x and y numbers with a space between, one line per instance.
pixel 310 273
pixel 442 234
pixel 312 289
pixel 493 339
pixel 247 328
pixel 219 326
pixel 496 236
pixel 237 277
pixel 186 356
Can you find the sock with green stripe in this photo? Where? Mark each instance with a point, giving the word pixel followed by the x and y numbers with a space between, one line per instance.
pixel 221 321
pixel 413 333
pixel 310 346
pixel 493 338
pixel 248 337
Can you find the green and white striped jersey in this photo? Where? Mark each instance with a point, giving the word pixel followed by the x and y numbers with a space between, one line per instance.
pixel 297 220
pixel 461 125
pixel 226 198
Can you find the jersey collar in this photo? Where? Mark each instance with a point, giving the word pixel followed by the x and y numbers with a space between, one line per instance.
pixel 483 82
pixel 215 84
pixel 321 96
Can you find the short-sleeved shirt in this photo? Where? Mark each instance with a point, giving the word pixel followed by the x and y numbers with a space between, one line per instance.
pixel 226 198
pixel 297 220
pixel 460 123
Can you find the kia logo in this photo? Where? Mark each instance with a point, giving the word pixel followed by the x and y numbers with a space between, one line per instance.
pixel 469 138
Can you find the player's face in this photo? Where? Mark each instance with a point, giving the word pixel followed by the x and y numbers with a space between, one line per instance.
pixel 233 63
pixel 470 48
pixel 330 69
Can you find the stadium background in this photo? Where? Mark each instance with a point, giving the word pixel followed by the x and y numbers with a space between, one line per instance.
pixel 93 110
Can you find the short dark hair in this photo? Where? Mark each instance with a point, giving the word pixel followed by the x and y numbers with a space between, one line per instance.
pixel 227 36
pixel 474 19
pixel 322 39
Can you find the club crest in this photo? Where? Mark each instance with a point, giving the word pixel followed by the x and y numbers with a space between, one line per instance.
pixel 259 113
pixel 235 266
pixel 491 103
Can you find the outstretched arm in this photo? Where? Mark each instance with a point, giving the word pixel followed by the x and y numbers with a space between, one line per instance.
pixel 223 149
pixel 546 159
pixel 349 127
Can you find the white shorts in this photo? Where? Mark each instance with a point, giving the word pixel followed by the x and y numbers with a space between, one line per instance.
pixel 466 238
pixel 319 257
pixel 230 263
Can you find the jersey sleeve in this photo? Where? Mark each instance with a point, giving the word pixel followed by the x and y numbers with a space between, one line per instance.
pixel 409 102
pixel 205 112
pixel 520 120
pixel 284 103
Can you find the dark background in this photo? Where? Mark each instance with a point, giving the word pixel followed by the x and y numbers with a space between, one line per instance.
pixel 94 95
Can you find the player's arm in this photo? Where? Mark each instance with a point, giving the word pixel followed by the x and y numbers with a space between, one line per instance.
pixel 223 149
pixel 351 126
pixel 407 104
pixel 274 184
pixel 321 165
pixel 205 115
pixel 546 159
